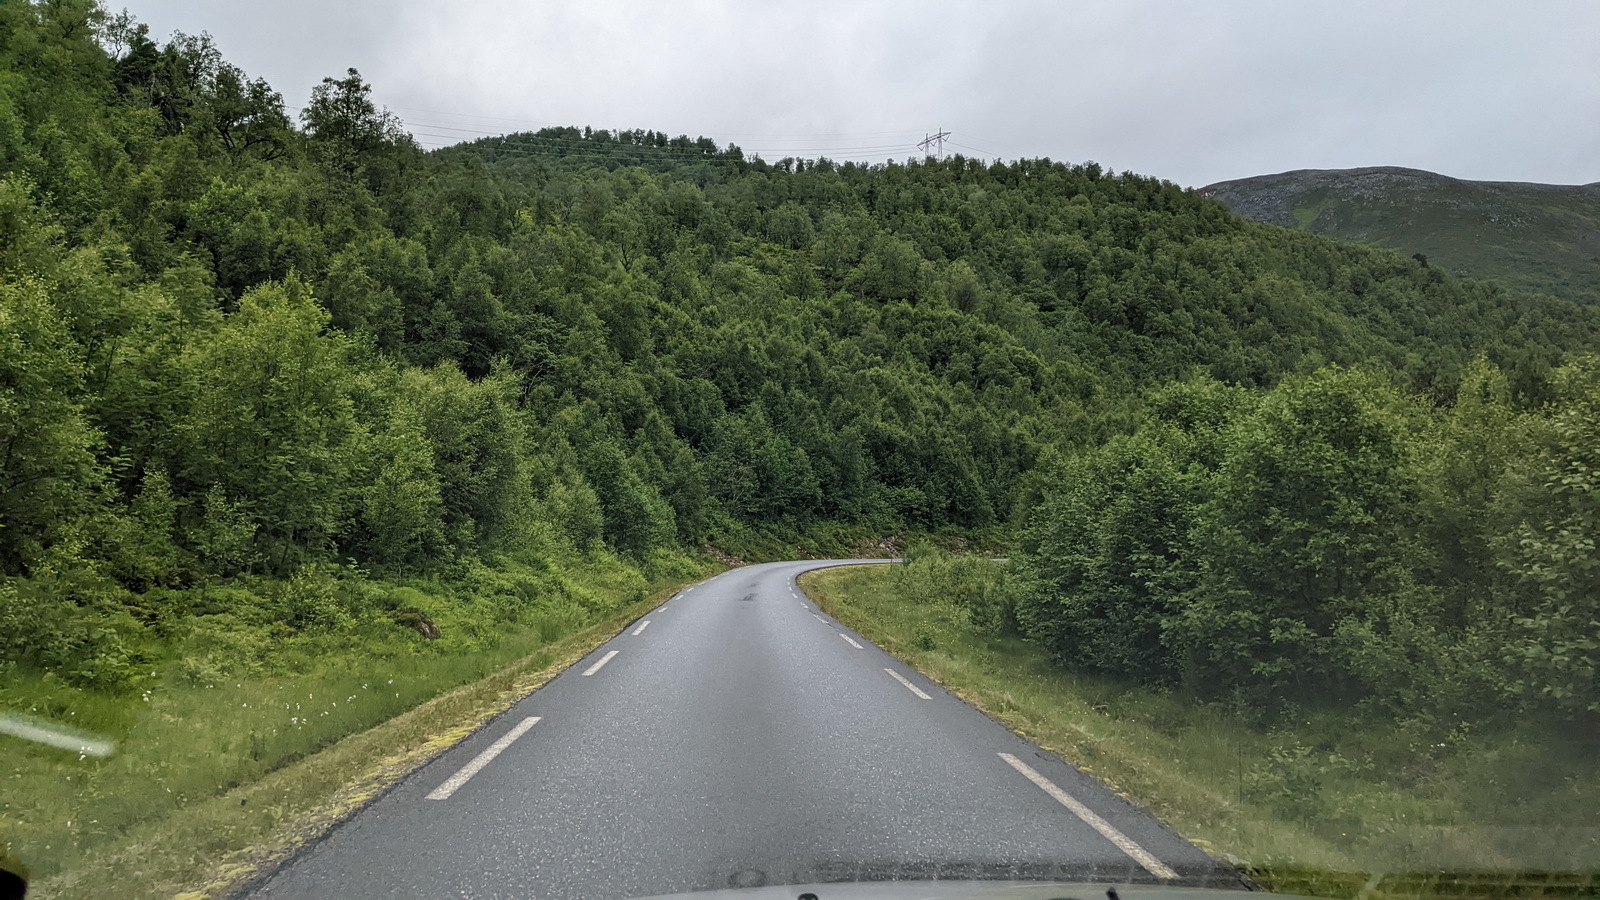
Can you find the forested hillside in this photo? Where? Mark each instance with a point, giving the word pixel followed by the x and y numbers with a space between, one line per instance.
pixel 256 368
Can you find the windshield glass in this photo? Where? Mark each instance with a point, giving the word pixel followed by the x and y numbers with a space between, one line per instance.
pixel 585 450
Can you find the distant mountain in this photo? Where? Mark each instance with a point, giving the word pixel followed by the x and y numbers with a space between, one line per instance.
pixel 1540 237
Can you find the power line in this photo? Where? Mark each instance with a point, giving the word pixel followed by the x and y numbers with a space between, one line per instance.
pixel 438 135
pixel 429 130
pixel 935 140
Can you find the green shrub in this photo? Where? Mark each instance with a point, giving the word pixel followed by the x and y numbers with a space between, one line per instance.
pixel 73 627
pixel 1291 778
pixel 312 599
pixel 976 590
pixel 220 647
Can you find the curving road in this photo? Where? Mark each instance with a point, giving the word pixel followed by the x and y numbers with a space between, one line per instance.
pixel 733 737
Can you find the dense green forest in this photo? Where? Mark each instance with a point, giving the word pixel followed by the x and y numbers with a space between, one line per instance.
pixel 252 363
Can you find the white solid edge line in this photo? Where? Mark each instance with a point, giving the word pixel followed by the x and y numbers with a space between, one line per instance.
pixel 909 686
pixel 454 782
pixel 850 640
pixel 642 626
pixel 603 660
pixel 1124 843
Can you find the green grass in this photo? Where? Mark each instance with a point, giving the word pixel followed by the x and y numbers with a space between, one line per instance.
pixel 1315 806
pixel 1305 215
pixel 247 745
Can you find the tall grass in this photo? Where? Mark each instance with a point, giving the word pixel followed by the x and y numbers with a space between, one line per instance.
pixel 1329 802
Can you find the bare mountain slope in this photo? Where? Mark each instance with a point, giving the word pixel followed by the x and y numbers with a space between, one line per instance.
pixel 1539 237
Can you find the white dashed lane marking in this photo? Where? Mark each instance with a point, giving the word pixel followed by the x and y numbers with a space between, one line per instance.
pixel 603 660
pixel 909 686
pixel 454 782
pixel 642 626
pixel 849 640
pixel 1124 843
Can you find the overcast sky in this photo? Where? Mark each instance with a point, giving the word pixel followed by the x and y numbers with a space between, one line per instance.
pixel 1195 92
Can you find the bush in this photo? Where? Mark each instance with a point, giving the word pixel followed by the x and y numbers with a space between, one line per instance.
pixel 72 627
pixel 219 647
pixel 977 589
pixel 312 600
pixel 1108 554
pixel 1309 528
pixel 1291 780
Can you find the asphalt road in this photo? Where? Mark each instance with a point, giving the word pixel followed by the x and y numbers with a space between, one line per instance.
pixel 740 738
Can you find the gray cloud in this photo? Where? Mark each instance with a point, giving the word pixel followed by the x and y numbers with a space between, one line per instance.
pixel 1194 92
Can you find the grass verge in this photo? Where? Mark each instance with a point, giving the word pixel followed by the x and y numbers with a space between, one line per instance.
pixel 1302 808
pixel 264 764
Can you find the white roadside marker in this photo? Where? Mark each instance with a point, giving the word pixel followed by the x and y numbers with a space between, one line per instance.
pixel 1124 843
pixel 603 660
pixel 454 782
pixel 849 640
pixel 642 626
pixel 909 686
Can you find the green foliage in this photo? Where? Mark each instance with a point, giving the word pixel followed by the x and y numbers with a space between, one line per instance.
pixel 1110 555
pixel 973 591
pixel 403 511
pixel 1332 542
pixel 48 466
pixel 1306 528
pixel 224 536
pixel 246 367
pixel 1556 650
pixel 141 546
pixel 475 441
pixel 269 420
pixel 1110 550
pixel 575 510
pixel 350 133
pixel 76 627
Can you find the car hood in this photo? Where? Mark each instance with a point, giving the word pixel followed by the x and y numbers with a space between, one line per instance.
pixel 960 890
